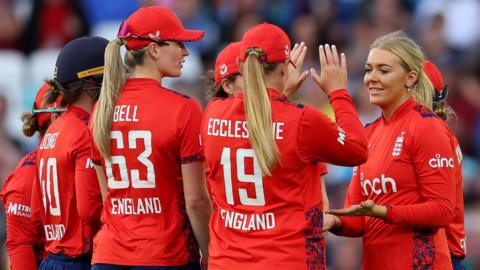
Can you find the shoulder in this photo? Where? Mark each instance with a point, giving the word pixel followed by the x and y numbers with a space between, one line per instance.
pixel 285 102
pixel 29 159
pixel 423 120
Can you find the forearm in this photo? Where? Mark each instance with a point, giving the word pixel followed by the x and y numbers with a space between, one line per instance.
pixel 353 138
pixel 349 227
pixel 199 215
pixel 426 214
pixel 22 255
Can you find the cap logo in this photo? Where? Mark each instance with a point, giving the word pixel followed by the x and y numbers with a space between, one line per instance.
pixel 223 69
pixel 287 50
pixel 55 72
pixel 156 36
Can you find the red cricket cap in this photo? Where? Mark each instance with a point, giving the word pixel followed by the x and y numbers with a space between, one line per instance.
pixel 153 23
pixel 43 113
pixel 434 75
pixel 270 38
pixel 226 63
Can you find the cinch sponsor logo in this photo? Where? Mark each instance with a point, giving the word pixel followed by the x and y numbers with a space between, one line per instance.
pixel 378 185
pixel 439 162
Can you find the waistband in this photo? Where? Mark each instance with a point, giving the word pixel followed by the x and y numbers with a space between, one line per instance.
pixel 65 258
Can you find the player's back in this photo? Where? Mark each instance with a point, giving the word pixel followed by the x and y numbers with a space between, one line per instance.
pixel 145 221
pixel 261 222
pixel 65 140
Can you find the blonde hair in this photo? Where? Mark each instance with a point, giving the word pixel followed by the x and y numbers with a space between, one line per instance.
pixel 113 80
pixel 411 57
pixel 258 110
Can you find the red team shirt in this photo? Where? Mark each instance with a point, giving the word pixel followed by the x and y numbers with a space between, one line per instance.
pixel 410 169
pixel 25 238
pixel 66 194
pixel 274 222
pixel 154 132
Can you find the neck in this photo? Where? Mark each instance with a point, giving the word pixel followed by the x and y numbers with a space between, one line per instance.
pixel 276 81
pixel 390 109
pixel 146 71
pixel 84 102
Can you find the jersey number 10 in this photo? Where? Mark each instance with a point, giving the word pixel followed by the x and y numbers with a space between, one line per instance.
pixel 124 181
pixel 47 185
pixel 255 178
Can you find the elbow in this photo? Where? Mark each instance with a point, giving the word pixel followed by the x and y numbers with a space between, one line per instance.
pixel 196 205
pixel 358 154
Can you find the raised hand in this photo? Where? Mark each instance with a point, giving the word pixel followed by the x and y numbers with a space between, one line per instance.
pixel 295 76
pixel 333 70
pixel 365 208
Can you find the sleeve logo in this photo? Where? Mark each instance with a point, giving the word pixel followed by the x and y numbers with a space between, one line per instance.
pixel 341 136
pixel 441 162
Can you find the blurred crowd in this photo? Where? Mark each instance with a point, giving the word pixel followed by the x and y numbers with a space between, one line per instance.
pixel 33 31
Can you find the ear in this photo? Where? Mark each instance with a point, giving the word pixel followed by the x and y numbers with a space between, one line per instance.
pixel 227 87
pixel 412 78
pixel 153 50
pixel 54 116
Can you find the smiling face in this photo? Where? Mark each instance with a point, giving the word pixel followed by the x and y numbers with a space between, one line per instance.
pixel 386 79
pixel 170 58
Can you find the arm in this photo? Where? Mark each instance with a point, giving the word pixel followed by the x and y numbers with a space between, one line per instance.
pixel 433 158
pixel 197 200
pixel 102 182
pixel 87 190
pixel 21 231
pixel 320 139
pixel 197 203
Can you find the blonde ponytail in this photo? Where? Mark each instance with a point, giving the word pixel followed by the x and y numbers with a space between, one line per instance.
pixel 259 112
pixel 422 90
pixel 113 80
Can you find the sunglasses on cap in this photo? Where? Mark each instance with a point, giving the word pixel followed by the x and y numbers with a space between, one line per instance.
pixel 440 95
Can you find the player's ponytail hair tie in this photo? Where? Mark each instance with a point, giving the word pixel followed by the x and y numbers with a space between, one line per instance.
pixel 257 52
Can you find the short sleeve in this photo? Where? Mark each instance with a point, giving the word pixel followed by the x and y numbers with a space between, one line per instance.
pixel 189 123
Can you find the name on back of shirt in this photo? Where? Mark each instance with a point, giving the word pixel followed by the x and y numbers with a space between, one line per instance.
pixel 238 129
pixel 49 140
pixel 125 113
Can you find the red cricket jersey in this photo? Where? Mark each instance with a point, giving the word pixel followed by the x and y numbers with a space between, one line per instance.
pixel 66 193
pixel 274 222
pixel 25 240
pixel 410 170
pixel 456 229
pixel 154 132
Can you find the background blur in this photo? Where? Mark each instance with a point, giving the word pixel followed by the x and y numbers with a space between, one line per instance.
pixel 33 31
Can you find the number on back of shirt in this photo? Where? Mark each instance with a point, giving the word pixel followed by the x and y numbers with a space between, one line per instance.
pixel 133 175
pixel 49 186
pixel 255 178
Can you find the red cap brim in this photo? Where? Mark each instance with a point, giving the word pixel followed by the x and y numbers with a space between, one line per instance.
pixel 190 35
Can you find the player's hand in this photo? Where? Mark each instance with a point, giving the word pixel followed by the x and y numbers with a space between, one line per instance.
pixel 333 70
pixel 295 76
pixel 331 222
pixel 365 208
